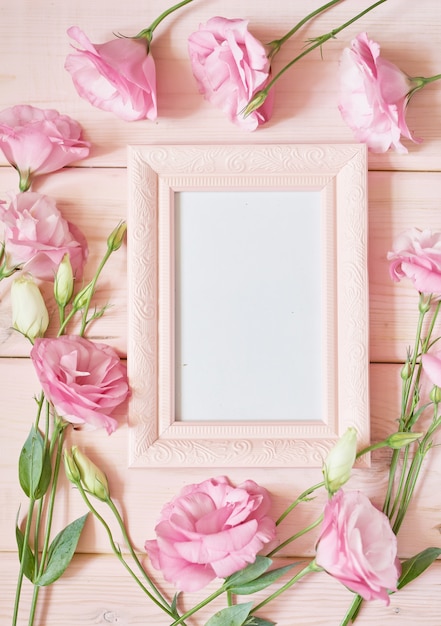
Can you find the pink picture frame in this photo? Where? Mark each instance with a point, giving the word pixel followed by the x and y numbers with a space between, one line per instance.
pixel 157 173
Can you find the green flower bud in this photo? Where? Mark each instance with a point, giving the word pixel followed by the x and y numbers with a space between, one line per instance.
pixel 64 282
pixel 116 237
pixel 338 464
pixel 257 100
pixel 29 312
pixel 399 440
pixel 71 468
pixel 92 478
pixel 406 371
pixel 82 297
pixel 435 394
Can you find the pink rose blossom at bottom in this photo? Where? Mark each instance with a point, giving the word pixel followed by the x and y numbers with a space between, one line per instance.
pixel 210 530
pixel 358 547
pixel 85 381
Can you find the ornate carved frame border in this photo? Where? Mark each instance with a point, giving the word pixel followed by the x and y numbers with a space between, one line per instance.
pixel 156 173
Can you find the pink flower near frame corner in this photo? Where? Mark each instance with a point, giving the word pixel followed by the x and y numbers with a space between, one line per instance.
pixel 117 76
pixel 85 381
pixel 358 547
pixel 37 236
pixel 373 96
pixel 39 141
pixel 417 256
pixel 230 66
pixel 210 530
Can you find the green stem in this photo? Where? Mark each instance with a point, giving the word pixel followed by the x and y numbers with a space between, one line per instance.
pixel 199 606
pixel 278 43
pixel 353 611
pixel 303 496
pixel 312 567
pixel 127 541
pixel 117 551
pixel 59 437
pixel 147 33
pixel 296 536
pixel 259 97
pixel 22 558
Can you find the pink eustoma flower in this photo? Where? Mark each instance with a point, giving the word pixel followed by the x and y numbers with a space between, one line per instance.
pixel 39 141
pixel 85 381
pixel 358 547
pixel 373 96
pixel 117 76
pixel 37 236
pixel 417 256
pixel 432 367
pixel 210 530
pixel 230 67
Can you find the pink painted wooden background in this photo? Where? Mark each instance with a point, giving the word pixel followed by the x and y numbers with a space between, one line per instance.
pixel 404 191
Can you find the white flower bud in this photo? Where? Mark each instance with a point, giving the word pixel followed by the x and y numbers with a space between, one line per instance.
pixel 29 312
pixel 338 464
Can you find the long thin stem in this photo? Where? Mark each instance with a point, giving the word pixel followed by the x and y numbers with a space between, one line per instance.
pixel 147 33
pixel 303 496
pixel 59 434
pixel 311 567
pixel 117 551
pixel 296 536
pixel 352 611
pixel 259 97
pixel 127 541
pixel 200 605
pixel 278 43
pixel 22 560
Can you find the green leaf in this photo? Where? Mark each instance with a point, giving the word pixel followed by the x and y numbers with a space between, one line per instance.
pixel 231 616
pixel 416 565
pixel 27 555
pixel 258 621
pixel 263 581
pixel 250 572
pixel 34 465
pixel 61 551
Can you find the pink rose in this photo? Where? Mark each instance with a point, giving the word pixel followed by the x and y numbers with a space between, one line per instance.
pixel 210 530
pixel 358 547
pixel 85 381
pixel 117 76
pixel 37 236
pixel 230 66
pixel 373 96
pixel 417 255
pixel 37 141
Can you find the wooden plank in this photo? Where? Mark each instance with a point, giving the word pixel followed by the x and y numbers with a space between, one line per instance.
pixel 98 591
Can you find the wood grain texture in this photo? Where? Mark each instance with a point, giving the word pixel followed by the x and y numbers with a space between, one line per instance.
pixel 95 590
pixel 404 191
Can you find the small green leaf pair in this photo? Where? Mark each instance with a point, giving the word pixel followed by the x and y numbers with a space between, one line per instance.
pixel 251 579
pixel 59 555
